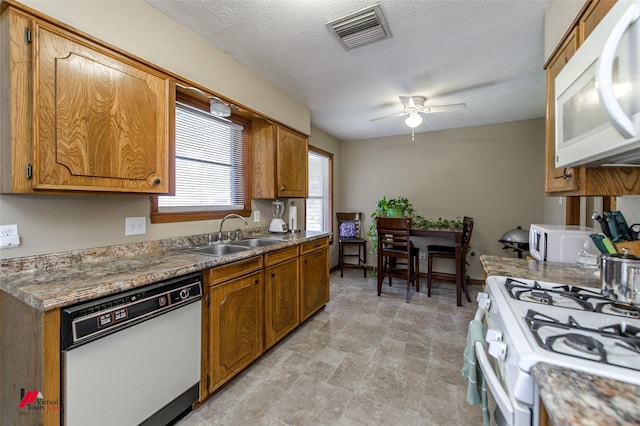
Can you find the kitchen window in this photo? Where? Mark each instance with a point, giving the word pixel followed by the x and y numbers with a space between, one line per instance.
pixel 211 157
pixel 319 216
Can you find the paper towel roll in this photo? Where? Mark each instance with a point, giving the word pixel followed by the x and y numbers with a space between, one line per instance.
pixel 293 218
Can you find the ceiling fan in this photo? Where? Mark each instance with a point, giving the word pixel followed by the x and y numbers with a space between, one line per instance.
pixel 414 107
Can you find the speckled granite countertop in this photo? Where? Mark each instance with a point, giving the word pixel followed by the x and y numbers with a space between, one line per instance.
pixel 57 280
pixel 565 273
pixel 581 399
pixel 572 397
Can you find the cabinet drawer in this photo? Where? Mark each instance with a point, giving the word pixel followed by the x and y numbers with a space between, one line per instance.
pixel 314 245
pixel 280 255
pixel 232 270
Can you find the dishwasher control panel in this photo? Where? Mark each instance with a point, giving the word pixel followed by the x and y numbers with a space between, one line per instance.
pixel 91 320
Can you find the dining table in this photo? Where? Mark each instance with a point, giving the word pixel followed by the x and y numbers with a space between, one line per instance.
pixel 456 236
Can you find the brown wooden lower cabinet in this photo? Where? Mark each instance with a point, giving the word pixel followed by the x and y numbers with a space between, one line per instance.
pixel 281 300
pixel 237 322
pixel 249 307
pixel 314 280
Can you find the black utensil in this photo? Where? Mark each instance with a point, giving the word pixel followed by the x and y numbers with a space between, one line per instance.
pixel 603 224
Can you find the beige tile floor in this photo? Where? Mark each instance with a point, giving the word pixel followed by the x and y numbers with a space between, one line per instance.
pixel 363 360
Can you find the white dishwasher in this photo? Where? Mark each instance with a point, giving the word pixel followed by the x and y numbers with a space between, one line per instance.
pixel 133 358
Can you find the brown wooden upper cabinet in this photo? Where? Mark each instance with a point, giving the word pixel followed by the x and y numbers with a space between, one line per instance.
pixel 581 181
pixel 279 161
pixel 82 116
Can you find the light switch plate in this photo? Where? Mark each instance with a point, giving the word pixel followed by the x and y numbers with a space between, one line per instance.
pixel 256 216
pixel 135 225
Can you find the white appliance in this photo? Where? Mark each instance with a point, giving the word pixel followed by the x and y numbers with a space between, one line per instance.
pixel 598 94
pixel 277 224
pixel 559 243
pixel 528 322
pixel 133 358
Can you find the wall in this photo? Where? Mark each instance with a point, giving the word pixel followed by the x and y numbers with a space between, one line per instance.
pixel 493 173
pixel 558 16
pixel 630 208
pixel 53 223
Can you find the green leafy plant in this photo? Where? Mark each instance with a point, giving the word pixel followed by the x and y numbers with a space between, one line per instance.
pixel 382 210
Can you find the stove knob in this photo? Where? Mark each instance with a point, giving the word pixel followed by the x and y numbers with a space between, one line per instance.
pixel 483 301
pixel 162 301
pixel 184 293
pixel 498 350
pixel 494 335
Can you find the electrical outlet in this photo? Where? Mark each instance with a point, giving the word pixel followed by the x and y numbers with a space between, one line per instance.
pixel 9 237
pixel 256 216
pixel 8 230
pixel 135 225
pixel 423 255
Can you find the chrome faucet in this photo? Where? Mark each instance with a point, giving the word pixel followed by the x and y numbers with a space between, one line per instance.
pixel 246 224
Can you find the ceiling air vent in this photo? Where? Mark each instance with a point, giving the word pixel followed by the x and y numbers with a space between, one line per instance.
pixel 360 28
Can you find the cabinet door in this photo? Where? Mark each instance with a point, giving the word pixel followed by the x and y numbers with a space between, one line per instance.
pixel 103 122
pixel 281 300
pixel 236 322
pixel 292 164
pixel 314 282
pixel 558 179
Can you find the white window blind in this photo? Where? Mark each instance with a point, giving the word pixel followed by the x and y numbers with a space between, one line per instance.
pixel 210 154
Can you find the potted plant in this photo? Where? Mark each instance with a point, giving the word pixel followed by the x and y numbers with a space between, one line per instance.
pixel 392 207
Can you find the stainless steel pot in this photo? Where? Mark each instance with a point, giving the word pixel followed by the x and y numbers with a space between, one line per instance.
pixel 620 277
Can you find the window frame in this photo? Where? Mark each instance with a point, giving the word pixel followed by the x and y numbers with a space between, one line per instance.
pixel 184 216
pixel 329 155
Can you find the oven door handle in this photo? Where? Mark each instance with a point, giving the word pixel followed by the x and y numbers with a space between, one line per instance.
pixel 493 383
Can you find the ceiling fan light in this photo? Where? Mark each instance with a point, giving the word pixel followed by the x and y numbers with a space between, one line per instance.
pixel 413 120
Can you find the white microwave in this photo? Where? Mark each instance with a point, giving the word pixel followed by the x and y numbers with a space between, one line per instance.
pixel 598 95
pixel 559 243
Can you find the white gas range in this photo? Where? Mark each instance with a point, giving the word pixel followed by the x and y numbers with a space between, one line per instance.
pixel 569 326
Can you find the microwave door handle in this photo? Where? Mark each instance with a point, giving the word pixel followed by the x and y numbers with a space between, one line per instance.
pixel 619 120
pixel 493 383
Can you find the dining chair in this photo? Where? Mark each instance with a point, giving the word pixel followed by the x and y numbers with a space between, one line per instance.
pixel 350 240
pixel 397 256
pixel 449 252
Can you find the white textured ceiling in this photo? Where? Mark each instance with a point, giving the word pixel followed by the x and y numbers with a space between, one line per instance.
pixel 487 54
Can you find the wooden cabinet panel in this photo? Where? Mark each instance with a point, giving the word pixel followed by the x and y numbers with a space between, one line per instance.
pixel 292 164
pixel 281 300
pixel 314 282
pixel 279 161
pixel 236 322
pixel 280 255
pixel 314 245
pixel 594 13
pixel 82 116
pixel 101 122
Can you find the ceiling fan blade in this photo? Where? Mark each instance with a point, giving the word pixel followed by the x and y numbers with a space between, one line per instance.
pixel 445 108
pixel 400 114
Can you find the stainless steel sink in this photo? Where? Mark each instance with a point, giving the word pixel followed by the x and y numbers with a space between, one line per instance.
pixel 255 242
pixel 217 250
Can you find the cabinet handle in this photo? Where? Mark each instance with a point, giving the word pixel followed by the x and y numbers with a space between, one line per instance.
pixel 157 181
pixel 564 175
pixel 273 275
pixel 316 245
pixel 282 188
pixel 256 282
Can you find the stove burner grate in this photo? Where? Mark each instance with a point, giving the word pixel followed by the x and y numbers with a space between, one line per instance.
pixel 582 343
pixel 572 339
pixel 617 308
